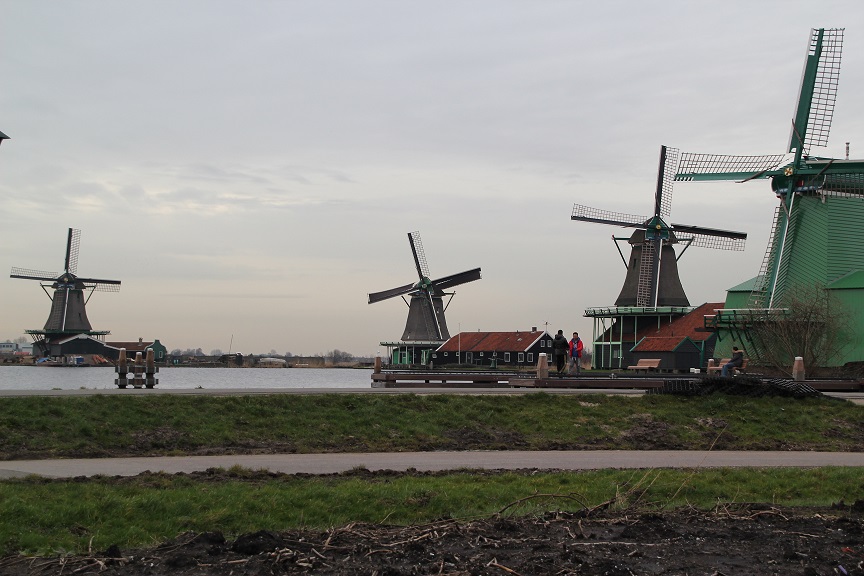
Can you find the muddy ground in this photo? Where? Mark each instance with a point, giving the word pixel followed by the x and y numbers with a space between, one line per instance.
pixel 741 540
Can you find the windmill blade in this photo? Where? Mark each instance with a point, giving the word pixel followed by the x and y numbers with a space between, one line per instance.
pixel 392 293
pixel 588 214
pixel 28 274
pixel 456 279
pixel 815 108
pixel 101 285
pixel 701 167
pixel 665 178
pixel 72 244
pixel 419 255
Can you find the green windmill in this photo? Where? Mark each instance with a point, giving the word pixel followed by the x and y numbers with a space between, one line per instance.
pixel 816 237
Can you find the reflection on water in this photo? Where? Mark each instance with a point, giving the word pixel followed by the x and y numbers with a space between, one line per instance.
pixel 48 378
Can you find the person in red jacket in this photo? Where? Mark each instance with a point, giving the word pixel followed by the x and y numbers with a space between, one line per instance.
pixel 575 354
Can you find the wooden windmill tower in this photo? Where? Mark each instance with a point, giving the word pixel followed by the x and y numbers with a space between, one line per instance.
pixel 68 316
pixel 817 237
pixel 652 288
pixel 426 327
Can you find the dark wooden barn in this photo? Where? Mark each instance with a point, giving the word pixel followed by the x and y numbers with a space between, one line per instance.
pixel 494 349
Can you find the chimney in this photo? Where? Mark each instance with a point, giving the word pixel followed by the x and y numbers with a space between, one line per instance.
pixel 533 328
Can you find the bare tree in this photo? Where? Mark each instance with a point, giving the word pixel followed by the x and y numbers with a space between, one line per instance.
pixel 813 325
pixel 336 356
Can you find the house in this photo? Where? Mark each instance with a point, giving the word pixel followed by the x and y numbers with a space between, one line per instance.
pixel 160 352
pixel 681 344
pixel 88 344
pixel 494 349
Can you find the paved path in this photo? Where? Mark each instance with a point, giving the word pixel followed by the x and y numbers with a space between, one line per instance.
pixel 431 461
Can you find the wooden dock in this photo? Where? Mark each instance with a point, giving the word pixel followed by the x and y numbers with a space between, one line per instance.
pixel 440 379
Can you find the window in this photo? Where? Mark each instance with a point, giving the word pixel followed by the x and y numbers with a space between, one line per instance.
pixel 521 357
pixel 445 353
pixel 506 356
pixel 542 343
pixel 530 357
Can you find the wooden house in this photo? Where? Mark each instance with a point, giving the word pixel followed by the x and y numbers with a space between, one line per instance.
pixel 681 344
pixel 494 349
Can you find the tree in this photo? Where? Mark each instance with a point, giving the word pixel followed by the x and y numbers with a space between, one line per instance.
pixel 216 352
pixel 811 323
pixel 336 356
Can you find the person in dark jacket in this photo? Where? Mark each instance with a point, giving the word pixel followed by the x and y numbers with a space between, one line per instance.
pixel 560 349
pixel 736 361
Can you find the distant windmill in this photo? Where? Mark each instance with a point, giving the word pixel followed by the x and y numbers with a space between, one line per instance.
pixel 68 313
pixel 652 270
pixel 816 235
pixel 426 308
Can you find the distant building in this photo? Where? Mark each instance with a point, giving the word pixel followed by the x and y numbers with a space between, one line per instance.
pixel 494 349
pixel 160 352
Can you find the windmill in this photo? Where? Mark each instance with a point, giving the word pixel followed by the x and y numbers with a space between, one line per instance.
pixel 68 313
pixel 426 307
pixel 652 272
pixel 816 232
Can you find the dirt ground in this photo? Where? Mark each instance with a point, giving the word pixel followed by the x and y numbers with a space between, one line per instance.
pixel 741 540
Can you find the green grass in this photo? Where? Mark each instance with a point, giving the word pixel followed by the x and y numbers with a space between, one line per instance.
pixel 43 516
pixel 50 517
pixel 162 424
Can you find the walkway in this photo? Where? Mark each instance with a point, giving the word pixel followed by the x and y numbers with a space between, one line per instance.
pixel 431 461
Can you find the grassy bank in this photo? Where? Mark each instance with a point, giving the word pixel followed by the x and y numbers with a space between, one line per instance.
pixel 58 516
pixel 95 426
pixel 51 517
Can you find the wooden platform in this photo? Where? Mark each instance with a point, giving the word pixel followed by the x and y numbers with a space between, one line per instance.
pixel 588 383
pixel 440 379
pixel 604 381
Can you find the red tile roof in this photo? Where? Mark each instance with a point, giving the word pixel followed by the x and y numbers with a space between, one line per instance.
pixel 690 325
pixel 661 344
pixel 491 341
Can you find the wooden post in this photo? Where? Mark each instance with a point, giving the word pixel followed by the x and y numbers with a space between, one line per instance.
pixel 377 369
pixel 122 370
pixel 542 366
pixel 798 369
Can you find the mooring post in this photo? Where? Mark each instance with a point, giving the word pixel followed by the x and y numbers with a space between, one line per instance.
pixel 798 369
pixel 377 369
pixel 150 380
pixel 542 367
pixel 138 371
pixel 121 369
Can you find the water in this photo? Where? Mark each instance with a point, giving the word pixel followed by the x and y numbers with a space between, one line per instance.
pixel 50 378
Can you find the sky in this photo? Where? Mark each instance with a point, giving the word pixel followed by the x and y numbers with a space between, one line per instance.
pixel 250 170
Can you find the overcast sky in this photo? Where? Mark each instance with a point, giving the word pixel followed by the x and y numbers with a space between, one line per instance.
pixel 250 170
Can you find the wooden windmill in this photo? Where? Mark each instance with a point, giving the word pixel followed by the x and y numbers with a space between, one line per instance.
pixel 426 307
pixel 70 293
pixel 652 270
pixel 816 235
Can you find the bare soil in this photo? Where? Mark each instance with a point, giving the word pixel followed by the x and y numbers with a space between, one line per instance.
pixel 741 540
